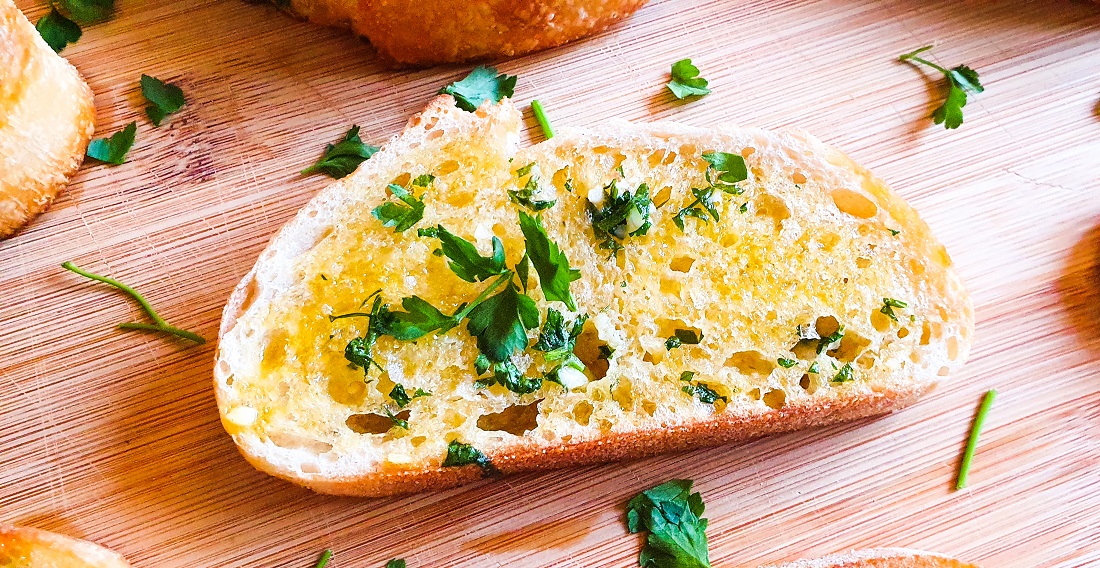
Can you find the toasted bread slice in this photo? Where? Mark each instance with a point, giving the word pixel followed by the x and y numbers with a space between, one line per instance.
pixel 808 243
pixel 22 547
pixel 47 117
pixel 880 558
pixel 405 32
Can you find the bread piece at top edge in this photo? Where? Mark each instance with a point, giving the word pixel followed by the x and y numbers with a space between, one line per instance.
pixel 49 117
pixel 808 196
pixel 404 32
pixel 23 547
pixel 879 558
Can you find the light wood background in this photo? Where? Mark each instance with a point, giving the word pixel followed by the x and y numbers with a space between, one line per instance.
pixel 114 436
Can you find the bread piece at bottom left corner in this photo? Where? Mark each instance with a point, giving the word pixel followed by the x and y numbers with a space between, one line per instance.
pixel 23 547
pixel 47 117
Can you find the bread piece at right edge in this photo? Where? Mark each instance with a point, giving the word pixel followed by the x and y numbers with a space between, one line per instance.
pixel 879 558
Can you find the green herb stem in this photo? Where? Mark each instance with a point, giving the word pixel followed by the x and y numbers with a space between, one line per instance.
pixel 460 315
pixel 160 323
pixel 972 443
pixel 325 557
pixel 540 116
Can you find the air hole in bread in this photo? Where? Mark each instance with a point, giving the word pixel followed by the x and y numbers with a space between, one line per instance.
pixel 880 321
pixel 730 239
pixel 370 423
pixel 274 351
pixel 828 241
pixel 649 407
pixel 867 360
pixel 588 349
pixel 430 124
pixel 582 412
pixel 656 158
pixel 916 266
pixel 941 256
pixel 295 442
pixel 775 398
pixel 748 151
pixel 448 167
pixel 854 203
pixel 688 150
pixel 434 134
pixel 944 371
pixel 681 263
pixel 623 394
pixel 798 178
pixel 952 347
pixel 903 333
pixel 402 180
pixel 671 287
pixel 416 441
pixel 312 214
pixel 500 230
pixel 807 384
pixel 863 262
pixel 516 420
pixel 454 418
pixel 774 207
pixel 482 112
pixel 751 363
pixel 754 394
pixel 456 196
pixel 925 334
pixel 915 357
pixel 604 424
pixel 662 196
pixel 559 178
pixel 229 380
pixel 347 390
pixel 851 345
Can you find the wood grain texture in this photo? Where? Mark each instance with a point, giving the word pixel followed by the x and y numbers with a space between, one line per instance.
pixel 114 436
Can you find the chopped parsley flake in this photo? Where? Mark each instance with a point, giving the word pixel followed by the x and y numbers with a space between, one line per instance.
pixel 525 196
pixel 672 515
pixel 340 159
pixel 786 363
pixel 401 216
pixel 888 305
pixel 683 337
pixel 844 375
pixel 164 98
pixel 481 85
pixel 686 81
pixel 459 454
pixel 113 149
pixel 622 214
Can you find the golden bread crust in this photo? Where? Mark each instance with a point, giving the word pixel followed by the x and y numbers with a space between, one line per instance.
pixel 281 366
pixel 23 547
pixel 405 32
pixel 47 117
pixel 880 558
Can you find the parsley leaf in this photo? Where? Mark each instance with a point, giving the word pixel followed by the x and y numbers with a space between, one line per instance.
pixel 507 375
pixel 550 263
pixel 813 368
pixel 844 375
pixel 400 216
pixel 786 363
pixel 888 305
pixel 683 337
pixel 166 98
pixel 396 563
pixel 523 271
pixel 419 319
pixel 557 340
pixel 730 168
pixel 830 341
pixel 402 398
pixel 459 454
pixel 57 30
pixel 359 350
pixel 704 393
pixel 340 159
pixel 677 532
pixel 482 84
pixel 686 81
pixel 960 79
pixel 525 196
pixel 500 323
pixel 113 150
pixel 623 213
pixel 687 375
pixel 396 419
pixel 89 11
pixel 465 261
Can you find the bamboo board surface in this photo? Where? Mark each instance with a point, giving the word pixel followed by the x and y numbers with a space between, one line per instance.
pixel 115 437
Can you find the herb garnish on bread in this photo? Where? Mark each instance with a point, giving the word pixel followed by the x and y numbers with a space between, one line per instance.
pixel 531 296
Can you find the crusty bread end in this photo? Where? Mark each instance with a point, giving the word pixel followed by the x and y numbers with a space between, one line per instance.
pixel 23 547
pixel 880 558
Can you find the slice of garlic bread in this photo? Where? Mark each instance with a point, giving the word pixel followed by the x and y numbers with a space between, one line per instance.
pixel 880 558
pixel 47 116
pixel 22 547
pixel 606 294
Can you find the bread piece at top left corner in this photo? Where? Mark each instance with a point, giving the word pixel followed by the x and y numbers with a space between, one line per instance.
pixel 47 117
pixel 23 547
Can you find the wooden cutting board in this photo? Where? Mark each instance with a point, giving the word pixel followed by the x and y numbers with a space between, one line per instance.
pixel 114 436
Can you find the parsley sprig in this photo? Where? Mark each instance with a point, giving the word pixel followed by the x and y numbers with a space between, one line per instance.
pixel 623 213
pixel 724 171
pixel 164 98
pixel 114 148
pixel 686 81
pixel 961 80
pixel 402 216
pixel 482 84
pixel 464 259
pixel 57 30
pixel 549 261
pixel 158 322
pixel 525 196
pixel 340 159
pixel 672 515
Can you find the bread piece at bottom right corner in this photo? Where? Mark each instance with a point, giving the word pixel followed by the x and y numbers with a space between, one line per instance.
pixel 720 305
pixel 880 558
